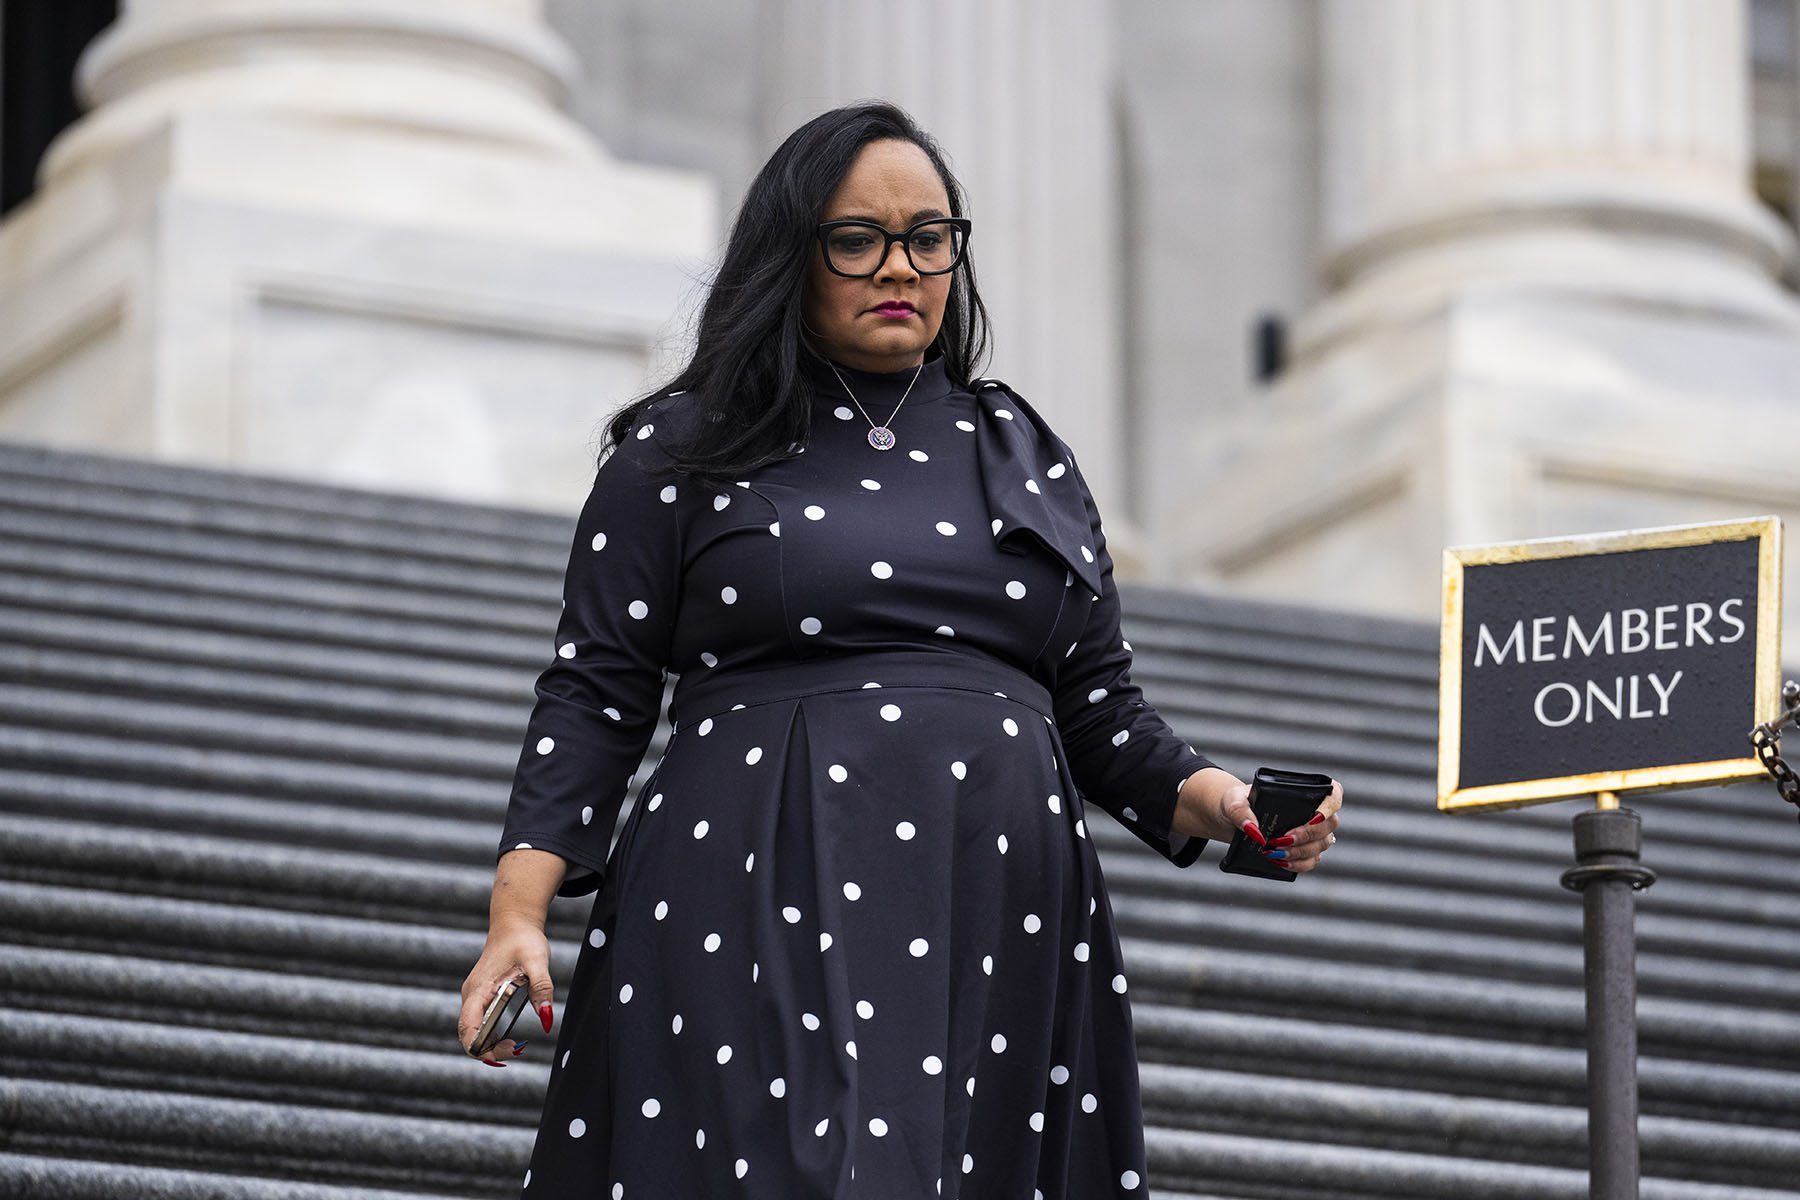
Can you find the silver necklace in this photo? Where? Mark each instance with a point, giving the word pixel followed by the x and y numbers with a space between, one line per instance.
pixel 880 436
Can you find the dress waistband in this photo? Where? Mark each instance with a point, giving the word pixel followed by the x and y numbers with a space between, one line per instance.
pixel 708 692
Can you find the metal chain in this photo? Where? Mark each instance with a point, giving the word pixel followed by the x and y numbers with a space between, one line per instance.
pixel 1767 740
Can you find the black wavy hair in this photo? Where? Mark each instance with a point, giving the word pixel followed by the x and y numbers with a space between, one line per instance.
pixel 752 404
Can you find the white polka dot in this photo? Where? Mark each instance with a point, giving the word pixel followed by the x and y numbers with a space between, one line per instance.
pixel 810 625
pixel 699 1143
pixel 743 1168
pixel 596 937
pixel 754 756
pixel 813 512
pixel 749 860
pixel 871 485
pixel 1011 726
pixel 852 891
pixel 919 456
pixel 625 994
pixel 881 570
pixel 668 494
pixel 705 727
pixel 775 528
pixel 1037 1121
pixel 1088 1102
pixel 700 828
pixel 790 914
pixel 1118 739
pixel 720 501
pixel 1128 1180
pixel 645 432
pixel 1119 984
pixel 1080 827
pixel 933 1064
pixel 998 1043
pixel 711 943
pixel 819 1129
pixel 918 946
pixel 1003 414
pixel 728 595
pixel 877 1126
pixel 638 610
pixel 946 528
pixel 837 772
pixel 987 964
pixel 824 942
pixel 1055 472
pixel 1081 951
pixel 1055 804
pixel 842 412
pixel 1087 554
pixel 905 831
pixel 1130 813
pixel 1015 589
pixel 968 1161
pixel 527 1177
pixel 966 426
pixel 1059 1074
pixel 1001 842
pixel 959 770
pixel 946 631
pixel 997 525
pixel 675 1025
pixel 1096 695
pixel 969 1086
pixel 546 745
pixel 809 1020
pixel 709 658
pixel 1031 485
pixel 864 1009
pixel 612 712
pixel 577 1127
pixel 662 909
pixel 599 541
pixel 850 1048
pixel 890 712
pixel 656 802
pixel 1033 923
pixel 651 1107
pixel 566 650
pixel 778 1087
pixel 870 684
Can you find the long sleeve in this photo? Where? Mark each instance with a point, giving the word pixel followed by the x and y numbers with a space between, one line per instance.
pixel 1123 755
pixel 599 699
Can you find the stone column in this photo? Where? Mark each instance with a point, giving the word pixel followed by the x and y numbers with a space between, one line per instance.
pixel 356 240
pixel 1021 96
pixel 1553 305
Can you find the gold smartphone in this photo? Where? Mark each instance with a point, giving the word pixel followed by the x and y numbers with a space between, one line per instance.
pixel 501 1015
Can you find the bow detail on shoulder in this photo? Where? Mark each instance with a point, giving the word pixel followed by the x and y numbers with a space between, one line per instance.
pixel 1028 477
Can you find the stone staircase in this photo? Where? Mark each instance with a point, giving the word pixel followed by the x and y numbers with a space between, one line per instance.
pixel 256 737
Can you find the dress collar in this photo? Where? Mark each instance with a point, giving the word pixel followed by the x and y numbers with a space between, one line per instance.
pixel 878 389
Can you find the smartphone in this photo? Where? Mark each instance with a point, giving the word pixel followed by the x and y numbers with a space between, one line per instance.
pixel 501 1015
pixel 1281 800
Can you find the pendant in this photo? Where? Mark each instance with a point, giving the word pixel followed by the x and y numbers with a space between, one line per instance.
pixel 881 437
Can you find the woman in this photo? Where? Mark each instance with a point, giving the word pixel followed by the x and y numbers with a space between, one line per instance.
pixel 854 923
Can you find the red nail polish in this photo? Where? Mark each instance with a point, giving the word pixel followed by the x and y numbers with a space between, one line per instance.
pixel 1286 839
pixel 1316 818
pixel 490 1062
pixel 544 1015
pixel 1256 834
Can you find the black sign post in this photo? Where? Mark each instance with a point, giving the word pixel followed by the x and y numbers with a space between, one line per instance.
pixel 1636 660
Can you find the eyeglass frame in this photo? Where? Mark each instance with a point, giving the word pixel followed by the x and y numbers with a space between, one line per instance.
pixel 962 224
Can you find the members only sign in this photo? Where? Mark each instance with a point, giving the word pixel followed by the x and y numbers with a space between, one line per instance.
pixel 1607 662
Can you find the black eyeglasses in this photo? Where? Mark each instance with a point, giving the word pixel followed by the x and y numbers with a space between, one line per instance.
pixel 856 249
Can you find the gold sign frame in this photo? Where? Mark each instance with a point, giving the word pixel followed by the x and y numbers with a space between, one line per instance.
pixel 1451 798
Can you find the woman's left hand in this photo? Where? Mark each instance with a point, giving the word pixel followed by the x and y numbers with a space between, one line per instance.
pixel 1220 804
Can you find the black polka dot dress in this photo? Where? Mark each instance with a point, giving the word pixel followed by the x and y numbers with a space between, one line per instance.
pixel 853 939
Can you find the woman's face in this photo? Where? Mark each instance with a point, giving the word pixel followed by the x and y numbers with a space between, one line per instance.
pixel 892 183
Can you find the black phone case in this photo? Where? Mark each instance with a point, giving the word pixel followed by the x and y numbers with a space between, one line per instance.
pixel 1281 800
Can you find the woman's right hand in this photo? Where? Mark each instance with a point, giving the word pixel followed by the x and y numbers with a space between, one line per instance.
pixel 513 949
